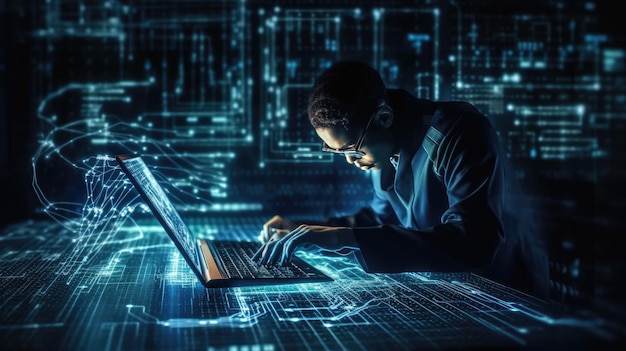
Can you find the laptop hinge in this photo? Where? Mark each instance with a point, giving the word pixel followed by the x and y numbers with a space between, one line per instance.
pixel 209 267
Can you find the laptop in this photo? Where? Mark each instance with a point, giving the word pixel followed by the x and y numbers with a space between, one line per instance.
pixel 217 263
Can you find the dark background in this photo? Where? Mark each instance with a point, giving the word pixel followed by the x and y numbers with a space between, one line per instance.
pixel 578 197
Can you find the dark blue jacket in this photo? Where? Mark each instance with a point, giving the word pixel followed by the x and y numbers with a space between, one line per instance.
pixel 448 206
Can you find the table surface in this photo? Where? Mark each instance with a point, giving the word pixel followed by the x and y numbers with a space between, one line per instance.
pixel 66 287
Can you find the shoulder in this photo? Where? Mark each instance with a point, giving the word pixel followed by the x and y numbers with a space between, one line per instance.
pixel 456 118
pixel 459 129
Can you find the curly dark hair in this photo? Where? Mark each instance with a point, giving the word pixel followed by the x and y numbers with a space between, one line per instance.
pixel 345 94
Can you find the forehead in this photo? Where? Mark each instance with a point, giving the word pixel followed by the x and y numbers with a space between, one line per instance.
pixel 335 137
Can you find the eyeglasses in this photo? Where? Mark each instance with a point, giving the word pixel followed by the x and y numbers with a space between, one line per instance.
pixel 352 151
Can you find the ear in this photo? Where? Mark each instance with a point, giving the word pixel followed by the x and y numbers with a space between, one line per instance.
pixel 384 116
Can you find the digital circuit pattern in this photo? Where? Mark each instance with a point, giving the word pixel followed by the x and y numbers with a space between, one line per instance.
pixel 224 84
pixel 137 292
pixel 73 152
pixel 213 94
pixel 521 75
pixel 298 43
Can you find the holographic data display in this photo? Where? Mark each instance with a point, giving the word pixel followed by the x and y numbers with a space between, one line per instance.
pixel 135 291
pixel 213 94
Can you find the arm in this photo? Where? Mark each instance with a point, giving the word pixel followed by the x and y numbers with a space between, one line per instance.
pixel 377 213
pixel 282 237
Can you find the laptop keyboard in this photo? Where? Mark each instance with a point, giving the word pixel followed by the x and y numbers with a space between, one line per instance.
pixel 234 258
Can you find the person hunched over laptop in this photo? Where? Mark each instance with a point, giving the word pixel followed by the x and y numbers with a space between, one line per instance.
pixel 216 263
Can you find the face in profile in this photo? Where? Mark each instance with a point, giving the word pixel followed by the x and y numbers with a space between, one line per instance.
pixel 373 153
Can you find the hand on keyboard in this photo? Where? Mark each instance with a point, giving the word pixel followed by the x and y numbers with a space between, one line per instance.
pixel 275 225
pixel 280 248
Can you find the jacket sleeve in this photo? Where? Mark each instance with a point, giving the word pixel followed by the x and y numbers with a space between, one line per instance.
pixel 469 165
